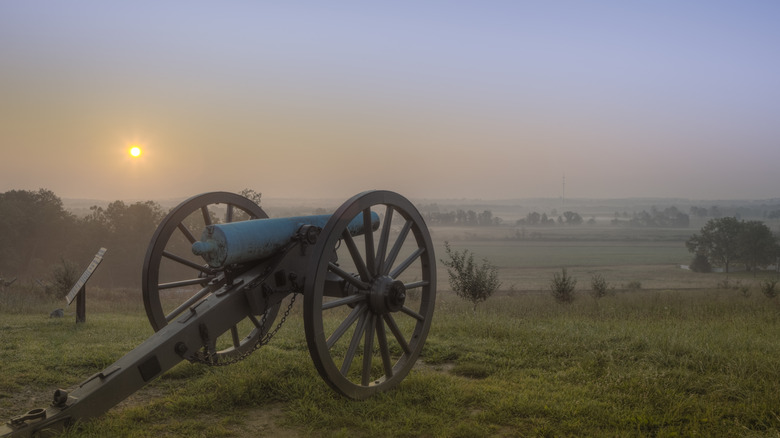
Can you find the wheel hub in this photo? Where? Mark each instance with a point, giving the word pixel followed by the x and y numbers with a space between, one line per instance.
pixel 387 295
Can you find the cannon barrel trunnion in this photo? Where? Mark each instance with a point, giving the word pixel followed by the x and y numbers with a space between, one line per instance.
pixel 366 273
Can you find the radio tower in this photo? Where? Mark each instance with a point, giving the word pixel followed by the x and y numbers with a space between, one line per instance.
pixel 563 193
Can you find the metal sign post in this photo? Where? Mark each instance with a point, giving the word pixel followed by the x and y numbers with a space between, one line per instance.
pixel 79 290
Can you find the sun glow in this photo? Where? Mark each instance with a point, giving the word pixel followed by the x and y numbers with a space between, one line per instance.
pixel 135 151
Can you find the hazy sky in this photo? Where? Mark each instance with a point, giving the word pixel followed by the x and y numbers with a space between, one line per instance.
pixel 480 99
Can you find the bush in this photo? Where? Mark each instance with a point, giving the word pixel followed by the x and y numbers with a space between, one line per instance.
pixel 743 289
pixel 598 286
pixel 769 288
pixel 471 282
pixel 633 286
pixel 726 284
pixel 562 287
pixel 63 277
pixel 700 264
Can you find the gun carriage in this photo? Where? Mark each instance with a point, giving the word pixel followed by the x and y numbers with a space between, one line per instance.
pixel 366 274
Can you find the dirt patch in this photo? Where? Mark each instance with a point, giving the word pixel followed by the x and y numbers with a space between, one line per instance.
pixel 263 421
pixel 19 402
pixel 445 367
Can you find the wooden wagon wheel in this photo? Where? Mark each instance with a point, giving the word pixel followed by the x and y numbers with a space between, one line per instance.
pixel 369 299
pixel 174 279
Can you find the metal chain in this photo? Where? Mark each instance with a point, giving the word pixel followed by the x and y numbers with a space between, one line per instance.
pixel 211 358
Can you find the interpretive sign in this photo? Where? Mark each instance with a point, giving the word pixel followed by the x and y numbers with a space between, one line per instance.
pixel 79 289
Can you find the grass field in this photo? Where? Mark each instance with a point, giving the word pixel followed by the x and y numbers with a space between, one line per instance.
pixel 622 255
pixel 677 357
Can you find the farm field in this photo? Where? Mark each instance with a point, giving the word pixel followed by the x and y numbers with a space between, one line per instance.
pixel 649 256
pixel 678 356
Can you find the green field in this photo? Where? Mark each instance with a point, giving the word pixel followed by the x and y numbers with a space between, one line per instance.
pixel 677 357
pixel 622 255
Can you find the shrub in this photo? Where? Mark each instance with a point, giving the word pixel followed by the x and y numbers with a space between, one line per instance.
pixel 726 284
pixel 737 285
pixel 634 285
pixel 598 286
pixel 562 287
pixel 63 277
pixel 743 289
pixel 700 264
pixel 769 288
pixel 469 281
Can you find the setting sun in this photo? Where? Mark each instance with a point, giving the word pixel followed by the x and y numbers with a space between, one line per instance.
pixel 135 151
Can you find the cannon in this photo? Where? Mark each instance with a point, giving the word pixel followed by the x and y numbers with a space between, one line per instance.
pixel 217 272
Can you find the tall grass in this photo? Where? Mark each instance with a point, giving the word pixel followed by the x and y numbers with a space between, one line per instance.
pixel 646 363
pixel 32 299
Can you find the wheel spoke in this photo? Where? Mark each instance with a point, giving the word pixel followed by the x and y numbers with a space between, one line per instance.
pixel 356 257
pixel 234 335
pixel 381 337
pixel 343 301
pixel 206 216
pixel 385 236
pixel 187 233
pixel 412 313
pixel 342 328
pixel 369 240
pixel 353 344
pixel 397 333
pixel 399 242
pixel 406 263
pixel 185 305
pixel 368 350
pixel 349 278
pixel 254 320
pixel 182 283
pixel 416 284
pixel 229 214
pixel 185 262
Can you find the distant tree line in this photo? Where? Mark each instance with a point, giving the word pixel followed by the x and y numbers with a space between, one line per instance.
pixel 669 217
pixel 38 237
pixel 37 234
pixel 568 218
pixel 469 218
pixel 534 218
pixel 747 211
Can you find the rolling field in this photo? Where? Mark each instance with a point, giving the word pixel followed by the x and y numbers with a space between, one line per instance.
pixel 650 256
pixel 677 357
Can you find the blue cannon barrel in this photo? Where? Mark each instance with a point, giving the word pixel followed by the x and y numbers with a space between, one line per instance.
pixel 222 245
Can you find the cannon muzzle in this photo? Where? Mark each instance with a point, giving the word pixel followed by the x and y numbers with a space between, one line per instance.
pixel 223 245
